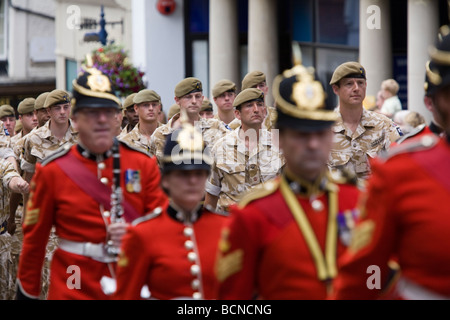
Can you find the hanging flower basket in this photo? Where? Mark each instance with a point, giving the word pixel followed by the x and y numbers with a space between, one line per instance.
pixel 113 60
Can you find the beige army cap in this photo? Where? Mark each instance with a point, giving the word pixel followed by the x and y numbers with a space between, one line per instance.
pixel 40 101
pixel 173 110
pixel 246 95
pixel 349 69
pixel 252 79
pixel 7 110
pixel 206 105
pixel 56 96
pixel 129 101
pixel 26 106
pixel 146 95
pixel 223 86
pixel 188 85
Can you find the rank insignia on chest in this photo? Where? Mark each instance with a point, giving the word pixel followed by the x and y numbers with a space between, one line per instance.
pixel 133 180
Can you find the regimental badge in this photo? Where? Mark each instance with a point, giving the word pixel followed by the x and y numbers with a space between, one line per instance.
pixel 307 93
pixel 99 82
pixel 190 139
pixel 133 181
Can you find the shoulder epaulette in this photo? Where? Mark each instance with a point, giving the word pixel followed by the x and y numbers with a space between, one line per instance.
pixel 411 134
pixel 343 176
pixel 129 146
pixel 259 192
pixel 426 142
pixel 147 217
pixel 212 210
pixel 57 154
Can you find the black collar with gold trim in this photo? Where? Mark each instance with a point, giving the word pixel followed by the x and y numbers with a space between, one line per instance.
pixel 92 156
pixel 179 215
pixel 306 188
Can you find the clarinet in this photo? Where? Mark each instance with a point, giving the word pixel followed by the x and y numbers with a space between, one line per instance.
pixel 116 196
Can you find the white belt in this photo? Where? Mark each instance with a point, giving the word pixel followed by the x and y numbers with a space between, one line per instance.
pixel 96 251
pixel 413 291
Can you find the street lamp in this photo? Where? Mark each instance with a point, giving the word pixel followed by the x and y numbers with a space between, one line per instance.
pixel 102 35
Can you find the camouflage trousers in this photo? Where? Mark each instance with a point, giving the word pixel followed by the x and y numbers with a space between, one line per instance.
pixel 16 247
pixel 7 280
pixel 51 247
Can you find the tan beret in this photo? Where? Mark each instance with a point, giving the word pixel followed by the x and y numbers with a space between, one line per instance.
pixel 26 106
pixel 146 96
pixel 223 86
pixel 349 69
pixel 188 85
pixel 40 101
pixel 18 127
pixel 6 110
pixel 206 105
pixel 129 101
pixel 173 110
pixel 247 95
pixel 56 97
pixel 252 79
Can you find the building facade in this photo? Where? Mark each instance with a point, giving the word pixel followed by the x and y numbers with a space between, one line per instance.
pixel 217 39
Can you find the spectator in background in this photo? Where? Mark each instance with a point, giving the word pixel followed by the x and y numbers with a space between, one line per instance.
pixel 392 103
pixel 379 101
pixel 400 120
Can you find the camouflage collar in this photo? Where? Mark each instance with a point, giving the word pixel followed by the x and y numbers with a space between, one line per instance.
pixel 365 122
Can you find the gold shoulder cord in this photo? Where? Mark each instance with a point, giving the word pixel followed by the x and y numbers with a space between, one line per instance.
pixel 325 265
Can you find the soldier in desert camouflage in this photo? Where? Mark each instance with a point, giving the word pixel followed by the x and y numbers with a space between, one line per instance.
pixel 147 104
pixel 29 120
pixel 359 134
pixel 11 181
pixel 244 158
pixel 189 96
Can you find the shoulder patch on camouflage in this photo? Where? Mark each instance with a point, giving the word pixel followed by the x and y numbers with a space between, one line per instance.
pixel 157 212
pixel 426 142
pixel 57 154
pixel 132 147
pixel 212 210
pixel 411 134
pixel 259 192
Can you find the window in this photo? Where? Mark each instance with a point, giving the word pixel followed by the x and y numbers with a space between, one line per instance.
pixel 328 34
pixel 3 31
pixel 197 34
pixel 71 73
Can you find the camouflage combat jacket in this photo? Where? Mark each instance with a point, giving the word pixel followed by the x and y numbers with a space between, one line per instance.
pixel 40 143
pixel 353 152
pixel 211 129
pixel 235 170
pixel 7 172
pixel 137 140
pixel 232 125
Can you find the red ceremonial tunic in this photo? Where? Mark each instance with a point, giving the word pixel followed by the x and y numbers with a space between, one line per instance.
pixel 55 200
pixel 175 259
pixel 276 261
pixel 407 215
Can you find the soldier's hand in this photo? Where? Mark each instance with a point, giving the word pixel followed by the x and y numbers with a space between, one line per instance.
pixel 19 185
pixel 116 231
pixel 23 186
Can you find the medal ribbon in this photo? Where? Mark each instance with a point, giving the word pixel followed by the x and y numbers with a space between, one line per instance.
pixel 325 265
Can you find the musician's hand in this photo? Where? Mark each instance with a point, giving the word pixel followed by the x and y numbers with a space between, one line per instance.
pixel 116 232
